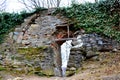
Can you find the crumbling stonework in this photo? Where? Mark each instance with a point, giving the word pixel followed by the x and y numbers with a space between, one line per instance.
pixel 27 49
pixel 91 44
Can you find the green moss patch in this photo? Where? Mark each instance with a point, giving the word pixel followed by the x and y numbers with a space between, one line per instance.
pixel 32 53
pixel 48 72
pixel 2 68
pixel 31 50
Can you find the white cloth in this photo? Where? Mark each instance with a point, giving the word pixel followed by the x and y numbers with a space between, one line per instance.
pixel 65 52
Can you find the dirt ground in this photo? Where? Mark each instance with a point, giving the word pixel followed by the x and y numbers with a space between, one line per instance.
pixel 106 67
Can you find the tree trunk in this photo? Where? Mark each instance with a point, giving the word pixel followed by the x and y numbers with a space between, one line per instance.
pixel 58 3
pixel 96 1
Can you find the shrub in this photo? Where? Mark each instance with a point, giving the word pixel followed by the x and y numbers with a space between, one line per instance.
pixel 8 21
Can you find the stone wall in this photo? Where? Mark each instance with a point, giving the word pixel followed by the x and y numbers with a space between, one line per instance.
pixel 29 60
pixel 91 44
pixel 27 49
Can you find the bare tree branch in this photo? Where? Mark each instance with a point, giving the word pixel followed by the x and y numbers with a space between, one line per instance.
pixel 32 4
pixel 2 5
pixel 58 3
pixel 26 4
pixel 96 1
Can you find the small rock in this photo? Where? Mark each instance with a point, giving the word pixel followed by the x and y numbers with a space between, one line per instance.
pixel 15 35
pixel 25 37
pixel 18 29
pixel 72 69
pixel 23 30
pixel 1 57
pixel 25 42
pixel 5 45
pixel 20 36
pixel 115 50
pixel 18 78
pixel 11 34
pixel 34 26
pixel 9 79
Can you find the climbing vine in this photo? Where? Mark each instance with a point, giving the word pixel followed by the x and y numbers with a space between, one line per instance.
pixel 101 17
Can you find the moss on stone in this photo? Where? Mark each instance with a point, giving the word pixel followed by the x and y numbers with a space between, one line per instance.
pixel 19 71
pixel 2 68
pixel 31 52
pixel 34 54
pixel 70 73
pixel 48 72
pixel 1 78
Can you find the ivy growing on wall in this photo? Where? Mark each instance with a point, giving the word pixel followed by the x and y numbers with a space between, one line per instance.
pixel 8 21
pixel 102 17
